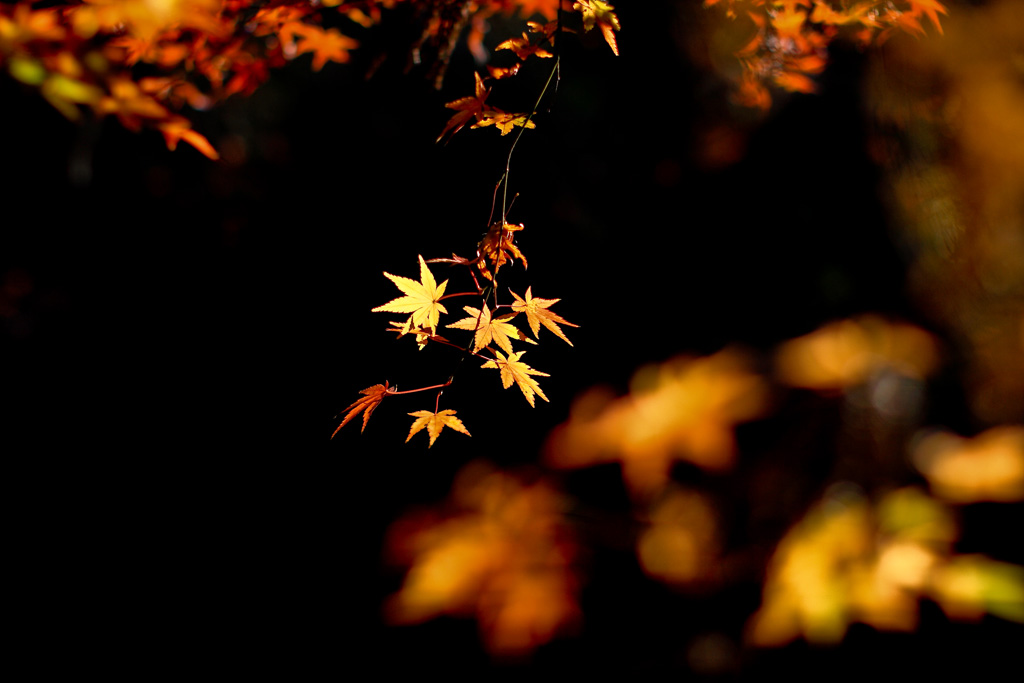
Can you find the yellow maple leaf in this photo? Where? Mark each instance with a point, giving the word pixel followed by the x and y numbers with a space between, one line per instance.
pixel 514 371
pixel 490 329
pixel 435 422
pixel 502 120
pixel 537 314
pixel 422 299
pixel 422 335
pixel 596 12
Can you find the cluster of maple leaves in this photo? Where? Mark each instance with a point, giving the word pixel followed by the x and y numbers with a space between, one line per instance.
pixel 491 328
pixel 791 37
pixel 143 61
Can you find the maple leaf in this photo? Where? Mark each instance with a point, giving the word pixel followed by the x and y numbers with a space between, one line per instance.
pixel 503 120
pixel 179 128
pixel 522 48
pixel 931 8
pixel 467 108
pixel 549 30
pixel 500 72
pixel 596 12
pixel 537 314
pixel 498 248
pixel 422 299
pixel 514 371
pixel 488 329
pixel 325 45
pixel 504 554
pixel 372 396
pixel 435 422
pixel 687 409
pixel 422 335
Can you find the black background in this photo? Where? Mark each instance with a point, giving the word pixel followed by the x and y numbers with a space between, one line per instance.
pixel 192 327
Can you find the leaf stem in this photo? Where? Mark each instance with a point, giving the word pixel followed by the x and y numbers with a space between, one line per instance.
pixel 449 296
pixel 416 391
pixel 529 117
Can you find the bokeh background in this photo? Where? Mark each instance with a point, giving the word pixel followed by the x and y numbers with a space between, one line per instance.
pixel 179 333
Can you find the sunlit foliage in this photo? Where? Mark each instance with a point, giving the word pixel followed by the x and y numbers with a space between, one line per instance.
pixel 851 560
pixel 681 545
pixel 787 40
pixel 846 353
pixel 491 332
pixel 144 61
pixel 683 410
pixel 500 551
pixel 989 467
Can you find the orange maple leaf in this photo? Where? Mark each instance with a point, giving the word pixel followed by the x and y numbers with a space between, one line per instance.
pixel 372 396
pixel 467 108
pixel 490 329
pixel 435 422
pixel 497 247
pixel 325 45
pixel 178 128
pixel 522 48
pixel 503 554
pixel 422 299
pixel 686 409
pixel 929 7
pixel 596 12
pixel 500 72
pixel 514 371
pixel 537 314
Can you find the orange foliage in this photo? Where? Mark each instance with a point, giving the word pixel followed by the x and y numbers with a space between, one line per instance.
pixel 500 553
pixel 680 545
pixel 684 409
pixel 846 353
pixel 850 561
pixel 791 37
pixel 989 467
pixel 95 54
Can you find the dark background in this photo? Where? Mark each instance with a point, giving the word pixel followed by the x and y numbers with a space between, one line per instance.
pixel 183 332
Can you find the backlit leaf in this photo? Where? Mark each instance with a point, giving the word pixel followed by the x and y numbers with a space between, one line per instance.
pixel 490 329
pixel 435 422
pixel 514 371
pixel 372 397
pixel 537 314
pixel 422 299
